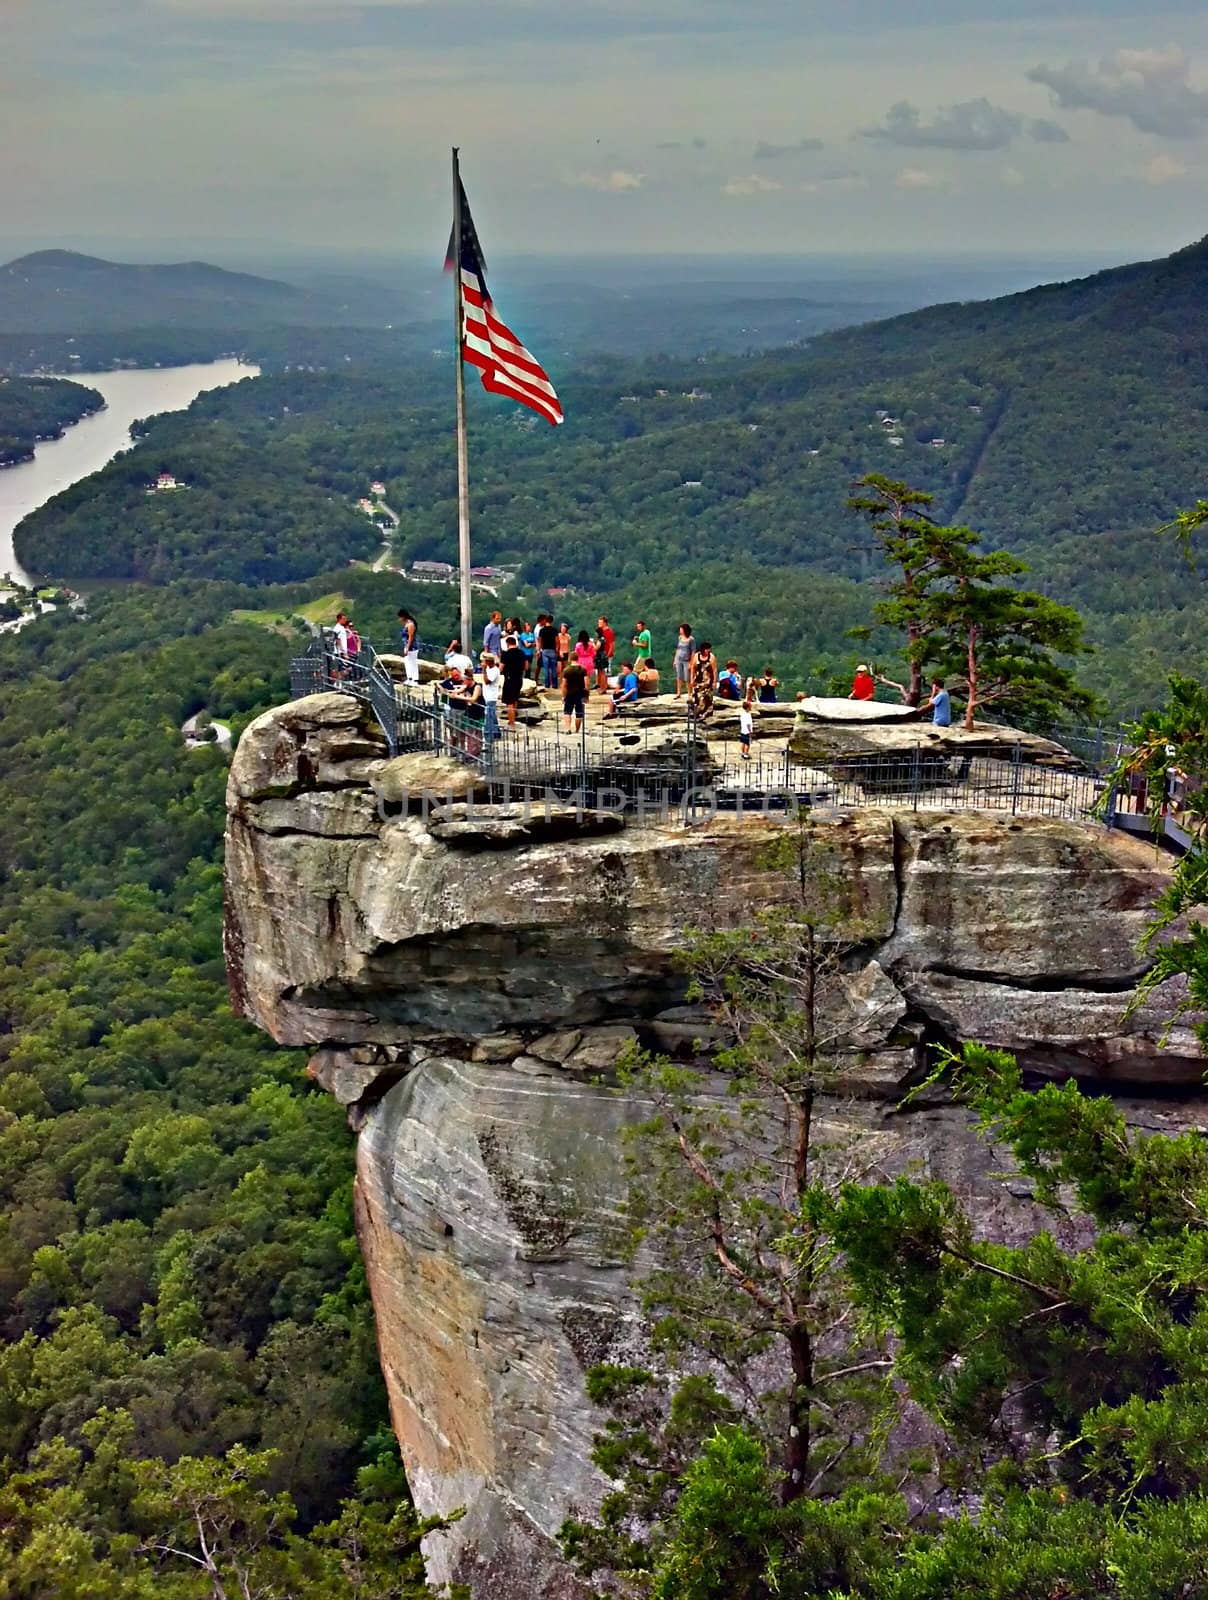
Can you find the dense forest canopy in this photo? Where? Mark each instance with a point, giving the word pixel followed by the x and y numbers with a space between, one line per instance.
pixel 176 1252
pixel 1060 424
pixel 33 409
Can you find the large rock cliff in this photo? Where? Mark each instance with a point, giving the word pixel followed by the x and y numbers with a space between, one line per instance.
pixel 465 975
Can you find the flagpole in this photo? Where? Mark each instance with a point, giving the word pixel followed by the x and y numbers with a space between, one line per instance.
pixel 463 460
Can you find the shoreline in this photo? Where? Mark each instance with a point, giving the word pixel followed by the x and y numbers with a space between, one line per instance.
pixel 52 438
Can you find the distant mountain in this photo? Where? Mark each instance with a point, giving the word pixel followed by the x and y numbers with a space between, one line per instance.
pixel 58 291
pixel 1065 423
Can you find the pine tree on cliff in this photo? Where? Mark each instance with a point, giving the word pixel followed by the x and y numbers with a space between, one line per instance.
pixel 998 644
pixel 747 1300
pixel 1068 1385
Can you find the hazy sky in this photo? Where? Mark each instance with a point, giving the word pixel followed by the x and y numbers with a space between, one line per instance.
pixel 618 125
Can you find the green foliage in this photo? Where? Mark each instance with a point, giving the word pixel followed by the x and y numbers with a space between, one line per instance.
pixel 997 643
pixel 1066 1384
pixel 32 409
pixel 1173 741
pixel 1065 428
pixel 175 1225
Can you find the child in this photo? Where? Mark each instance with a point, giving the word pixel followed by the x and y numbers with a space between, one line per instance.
pixel 746 725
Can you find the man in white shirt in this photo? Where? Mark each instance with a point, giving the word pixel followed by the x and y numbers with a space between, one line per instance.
pixel 340 648
pixel 455 656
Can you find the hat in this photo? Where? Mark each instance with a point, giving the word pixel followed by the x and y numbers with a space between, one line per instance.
pixel 862 667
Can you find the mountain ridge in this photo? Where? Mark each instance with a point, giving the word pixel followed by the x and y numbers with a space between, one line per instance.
pixel 65 291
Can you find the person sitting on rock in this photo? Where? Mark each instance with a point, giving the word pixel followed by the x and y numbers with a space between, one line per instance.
pixel 625 694
pixel 729 682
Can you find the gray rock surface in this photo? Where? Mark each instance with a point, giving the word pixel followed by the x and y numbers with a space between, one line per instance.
pixel 464 994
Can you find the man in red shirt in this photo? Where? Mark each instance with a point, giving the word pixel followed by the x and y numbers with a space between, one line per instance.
pixel 604 654
pixel 863 685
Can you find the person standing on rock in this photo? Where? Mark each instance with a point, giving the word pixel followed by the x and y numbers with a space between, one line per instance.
pixel 528 643
pixel 574 694
pixel 685 646
pixel 492 677
pixel 408 634
pixel 703 674
pixel 641 643
pixel 765 688
pixel 492 635
pixel 547 643
pixel 863 685
pixel 585 655
pixel 940 704
pixel 603 661
pixel 513 675
pixel 564 647
pixel 606 637
pixel 746 726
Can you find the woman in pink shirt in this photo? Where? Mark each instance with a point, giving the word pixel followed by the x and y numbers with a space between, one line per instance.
pixel 585 654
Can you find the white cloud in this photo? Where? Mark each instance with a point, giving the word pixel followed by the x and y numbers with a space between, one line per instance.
pixel 615 182
pixel 1152 89
pixel 918 178
pixel 1012 177
pixel 752 184
pixel 1161 169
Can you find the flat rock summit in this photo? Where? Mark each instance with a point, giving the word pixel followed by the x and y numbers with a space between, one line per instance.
pixel 466 978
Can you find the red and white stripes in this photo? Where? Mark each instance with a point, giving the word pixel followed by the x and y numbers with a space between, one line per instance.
pixel 507 367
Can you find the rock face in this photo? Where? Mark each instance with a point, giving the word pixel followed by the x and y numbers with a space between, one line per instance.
pixel 464 976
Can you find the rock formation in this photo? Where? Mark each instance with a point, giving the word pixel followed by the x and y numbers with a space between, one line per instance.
pixel 465 974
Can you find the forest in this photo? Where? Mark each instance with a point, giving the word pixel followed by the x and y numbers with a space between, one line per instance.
pixel 178 1274
pixel 32 409
pixel 1061 425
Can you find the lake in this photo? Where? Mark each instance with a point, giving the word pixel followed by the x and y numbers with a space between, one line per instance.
pixel 129 394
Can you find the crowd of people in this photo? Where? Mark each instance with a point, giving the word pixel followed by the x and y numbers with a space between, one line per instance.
pixel 570 665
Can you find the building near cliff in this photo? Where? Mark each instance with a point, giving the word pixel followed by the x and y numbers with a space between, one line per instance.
pixel 466 975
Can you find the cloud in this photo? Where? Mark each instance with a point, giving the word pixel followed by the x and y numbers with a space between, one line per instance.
pixel 1012 177
pixel 614 182
pixel 680 144
pixel 1152 89
pixel 918 178
pixel 753 184
pixel 968 125
pixel 1045 131
pixel 1161 169
pixel 830 181
pixel 772 152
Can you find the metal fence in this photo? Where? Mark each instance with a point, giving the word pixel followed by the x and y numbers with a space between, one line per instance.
pixel 662 772
pixel 321 667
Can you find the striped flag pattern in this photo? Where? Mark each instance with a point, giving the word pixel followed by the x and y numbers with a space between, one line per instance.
pixel 488 343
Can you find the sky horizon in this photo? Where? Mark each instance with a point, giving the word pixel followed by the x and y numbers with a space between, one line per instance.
pixel 704 128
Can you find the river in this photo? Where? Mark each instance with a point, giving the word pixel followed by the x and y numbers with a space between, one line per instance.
pixel 129 393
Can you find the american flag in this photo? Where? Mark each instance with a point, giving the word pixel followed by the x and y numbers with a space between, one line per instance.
pixel 489 344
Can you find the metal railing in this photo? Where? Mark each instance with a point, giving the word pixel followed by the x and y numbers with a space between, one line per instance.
pixel 321 667
pixel 657 772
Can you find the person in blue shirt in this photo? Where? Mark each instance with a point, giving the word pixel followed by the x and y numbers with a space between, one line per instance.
pixel 940 706
pixel 492 635
pixel 626 691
